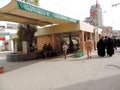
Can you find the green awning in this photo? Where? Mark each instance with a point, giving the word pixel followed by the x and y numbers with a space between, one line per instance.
pixel 22 12
pixel 35 9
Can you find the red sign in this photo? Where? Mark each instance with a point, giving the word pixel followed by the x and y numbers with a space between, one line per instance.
pixel 2 38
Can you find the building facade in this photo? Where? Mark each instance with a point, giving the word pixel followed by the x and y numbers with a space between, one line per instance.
pixel 6 29
pixel 96 16
pixel 62 28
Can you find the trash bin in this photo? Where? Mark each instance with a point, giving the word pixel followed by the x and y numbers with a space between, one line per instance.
pixel 79 53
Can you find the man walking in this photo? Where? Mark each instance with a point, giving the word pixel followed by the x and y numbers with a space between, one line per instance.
pixel 89 47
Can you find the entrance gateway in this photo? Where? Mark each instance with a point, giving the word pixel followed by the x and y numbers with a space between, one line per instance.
pixel 22 12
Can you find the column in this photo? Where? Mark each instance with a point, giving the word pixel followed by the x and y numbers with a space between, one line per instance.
pixel 82 44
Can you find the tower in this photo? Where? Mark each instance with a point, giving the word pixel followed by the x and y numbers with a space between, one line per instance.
pixel 96 15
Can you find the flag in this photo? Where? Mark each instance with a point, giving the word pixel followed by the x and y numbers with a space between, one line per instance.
pixel 93 13
pixel 96 3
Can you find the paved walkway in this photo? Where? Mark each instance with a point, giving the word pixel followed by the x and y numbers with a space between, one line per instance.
pixel 9 66
pixel 97 73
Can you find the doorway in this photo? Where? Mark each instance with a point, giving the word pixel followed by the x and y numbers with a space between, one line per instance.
pixel 72 40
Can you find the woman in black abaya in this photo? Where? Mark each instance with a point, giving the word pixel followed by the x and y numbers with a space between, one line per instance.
pixel 101 45
pixel 110 47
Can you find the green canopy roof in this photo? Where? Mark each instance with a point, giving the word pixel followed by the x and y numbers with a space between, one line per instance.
pixel 22 12
pixel 35 9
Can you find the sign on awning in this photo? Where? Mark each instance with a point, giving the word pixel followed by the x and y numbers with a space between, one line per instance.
pixel 32 8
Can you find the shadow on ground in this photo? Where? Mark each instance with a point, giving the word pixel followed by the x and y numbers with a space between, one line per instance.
pixel 108 83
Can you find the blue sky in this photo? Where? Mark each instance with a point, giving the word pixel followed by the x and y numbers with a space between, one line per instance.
pixel 79 9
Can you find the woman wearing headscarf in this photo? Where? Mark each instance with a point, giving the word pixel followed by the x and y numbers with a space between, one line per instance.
pixel 110 47
pixel 101 45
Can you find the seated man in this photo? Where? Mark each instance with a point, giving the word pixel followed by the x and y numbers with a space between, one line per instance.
pixel 50 49
pixel 45 50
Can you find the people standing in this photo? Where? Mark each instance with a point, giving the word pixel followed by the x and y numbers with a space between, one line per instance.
pixel 45 50
pixel 110 47
pixel 50 50
pixel 65 47
pixel 118 42
pixel 71 46
pixel 89 47
pixel 101 45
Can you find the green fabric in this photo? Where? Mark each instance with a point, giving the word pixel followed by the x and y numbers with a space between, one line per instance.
pixel 79 53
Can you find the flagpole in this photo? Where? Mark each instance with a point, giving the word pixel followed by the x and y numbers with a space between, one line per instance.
pixel 96 3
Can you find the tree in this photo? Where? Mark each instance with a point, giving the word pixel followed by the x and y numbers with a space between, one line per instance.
pixel 26 32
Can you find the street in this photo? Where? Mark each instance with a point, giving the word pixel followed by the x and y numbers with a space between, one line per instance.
pixel 97 73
